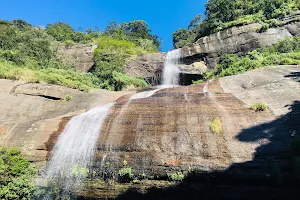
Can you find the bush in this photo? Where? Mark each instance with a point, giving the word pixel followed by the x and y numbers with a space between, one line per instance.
pixel 259 107
pixel 286 52
pixel 176 176
pixel 216 126
pixel 16 175
pixel 110 57
pixel 125 175
pixel 67 78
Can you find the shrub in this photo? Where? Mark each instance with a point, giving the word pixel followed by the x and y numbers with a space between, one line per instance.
pixel 198 81
pixel 216 126
pixel 125 175
pixel 176 176
pixel 286 52
pixel 67 78
pixel 259 107
pixel 110 57
pixel 16 175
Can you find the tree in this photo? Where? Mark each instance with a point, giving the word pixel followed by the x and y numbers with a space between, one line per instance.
pixel 196 21
pixel 60 31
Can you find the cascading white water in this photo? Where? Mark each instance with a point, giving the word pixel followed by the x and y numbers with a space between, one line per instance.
pixel 74 151
pixel 171 70
pixel 142 95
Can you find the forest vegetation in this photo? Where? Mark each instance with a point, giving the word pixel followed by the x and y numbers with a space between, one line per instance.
pixel 29 53
pixel 223 14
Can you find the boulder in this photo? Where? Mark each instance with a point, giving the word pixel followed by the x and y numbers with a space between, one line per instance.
pixel 79 55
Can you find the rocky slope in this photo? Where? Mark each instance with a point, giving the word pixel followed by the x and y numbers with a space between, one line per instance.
pixel 169 131
pixel 31 113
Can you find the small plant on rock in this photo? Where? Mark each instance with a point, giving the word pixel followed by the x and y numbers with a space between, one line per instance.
pixel 176 176
pixel 259 107
pixel 216 126
pixel 125 174
pixel 68 98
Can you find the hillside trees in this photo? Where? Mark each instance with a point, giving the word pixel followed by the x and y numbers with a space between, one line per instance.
pixel 29 53
pixel 223 14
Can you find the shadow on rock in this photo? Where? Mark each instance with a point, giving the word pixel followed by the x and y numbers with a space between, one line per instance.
pixel 294 75
pixel 269 175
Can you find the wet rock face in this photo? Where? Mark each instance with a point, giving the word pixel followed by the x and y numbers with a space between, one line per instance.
pixel 170 131
pixel 150 67
pixel 241 40
pixel 33 114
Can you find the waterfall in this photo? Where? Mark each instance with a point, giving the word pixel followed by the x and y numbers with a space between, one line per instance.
pixel 73 153
pixel 171 70
pixel 142 95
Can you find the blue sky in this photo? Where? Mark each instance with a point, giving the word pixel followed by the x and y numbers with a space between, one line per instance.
pixel 163 16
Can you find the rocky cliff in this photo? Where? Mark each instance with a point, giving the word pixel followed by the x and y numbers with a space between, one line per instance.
pixel 79 56
pixel 205 53
pixel 240 40
pixel 170 131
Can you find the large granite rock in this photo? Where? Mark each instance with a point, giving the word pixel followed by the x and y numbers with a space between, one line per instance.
pixel 79 56
pixel 169 131
pixel 147 66
pixel 240 40
pixel 150 67
pixel 31 113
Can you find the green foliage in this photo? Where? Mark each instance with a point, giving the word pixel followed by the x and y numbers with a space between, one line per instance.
pixel 110 57
pixel 30 53
pixel 67 78
pixel 216 126
pixel 182 37
pixel 259 107
pixel 136 31
pixel 80 172
pixel 198 81
pixel 136 181
pixel 125 175
pixel 223 14
pixel 286 52
pixel 176 176
pixel 16 175
pixel 64 32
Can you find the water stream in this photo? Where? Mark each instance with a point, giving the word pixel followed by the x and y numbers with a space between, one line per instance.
pixel 171 71
pixel 73 154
